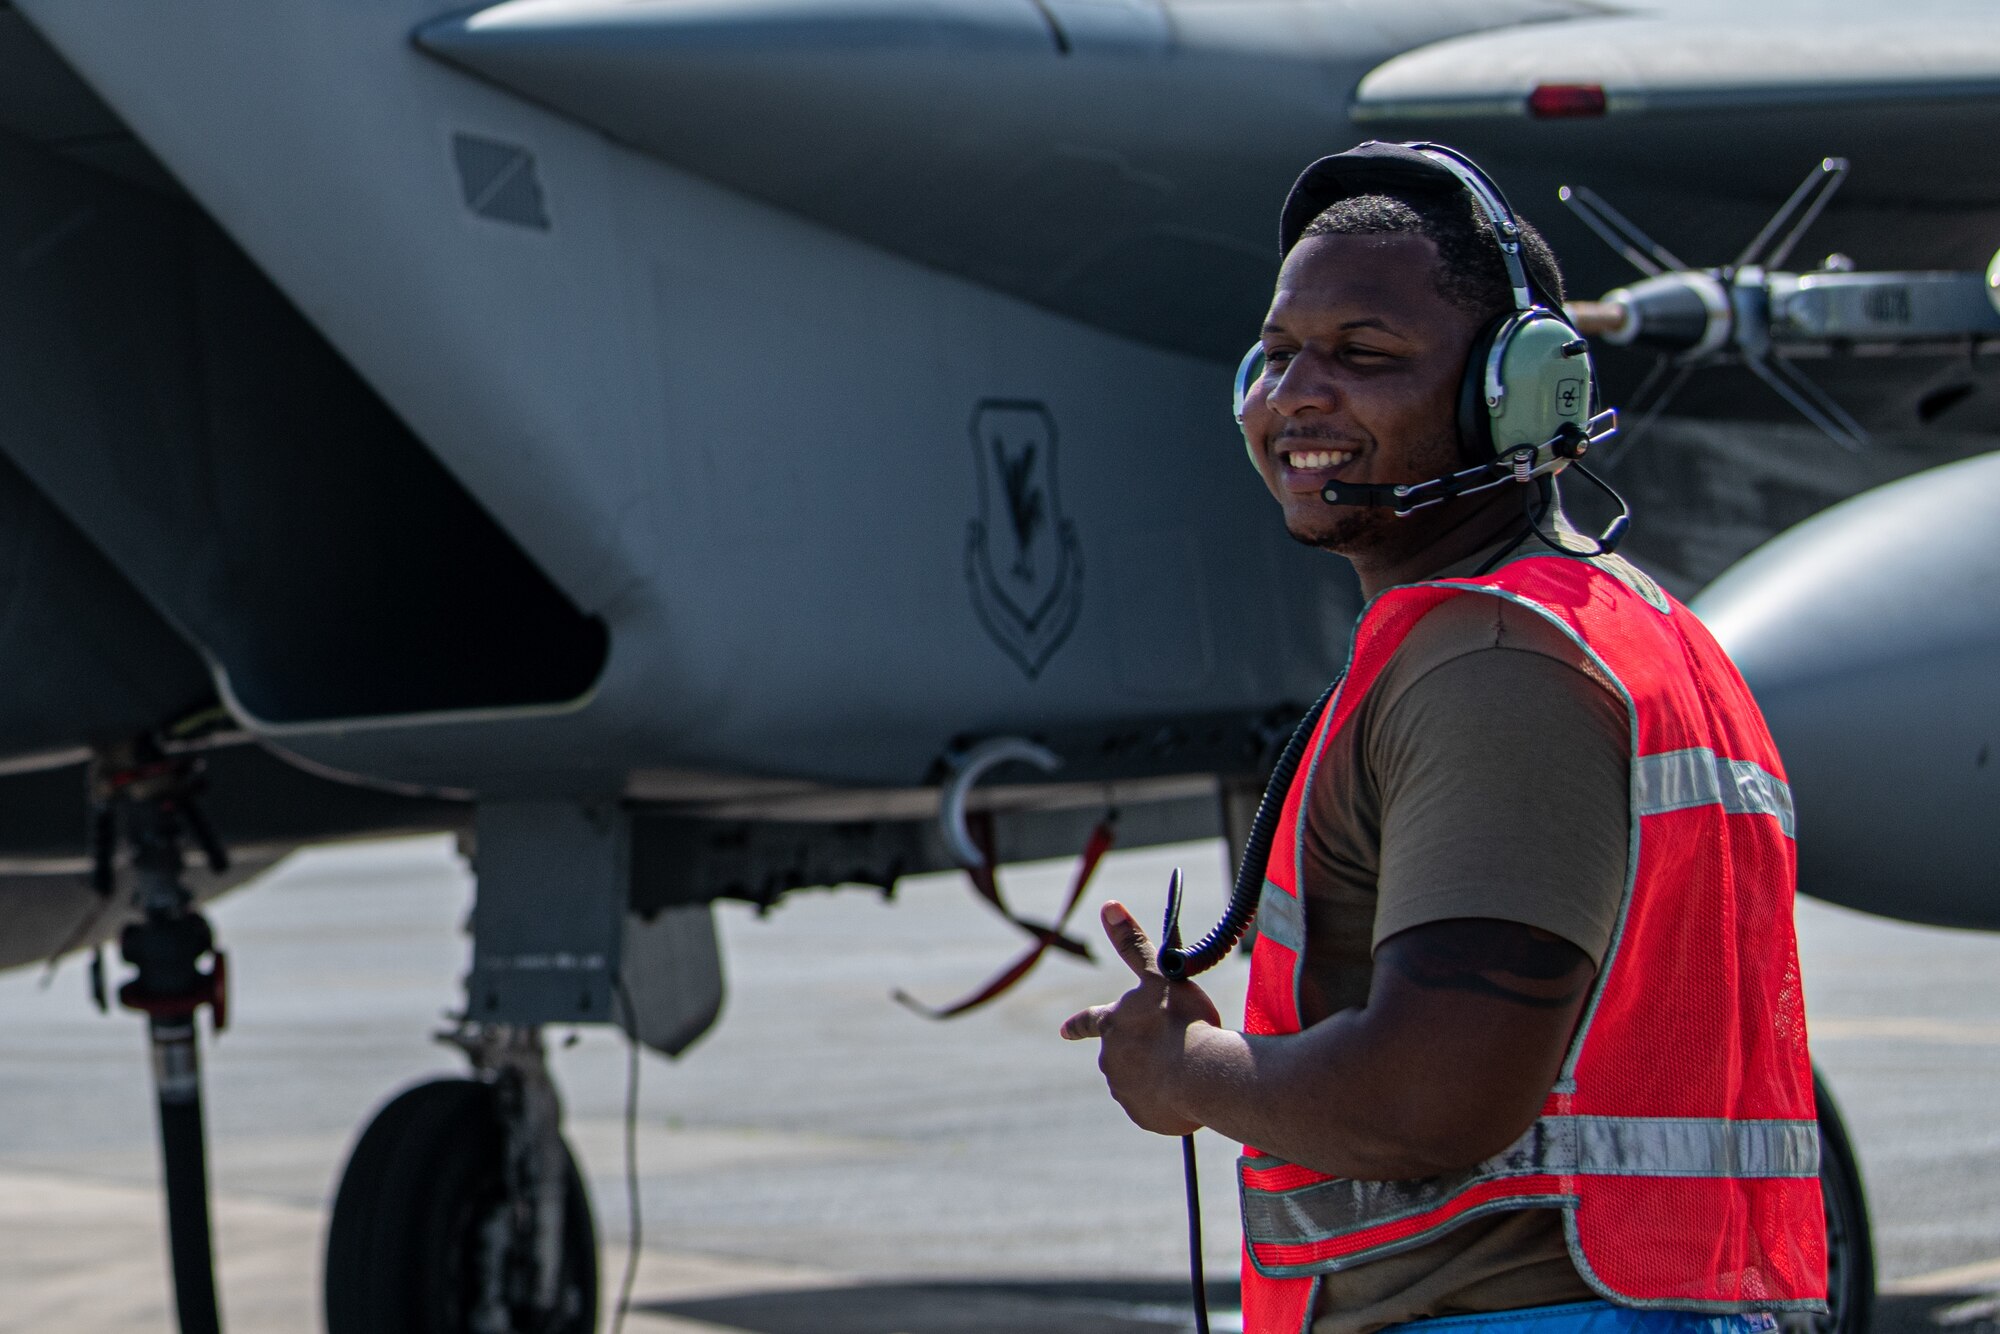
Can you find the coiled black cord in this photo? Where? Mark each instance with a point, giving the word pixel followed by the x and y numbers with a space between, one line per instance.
pixel 1179 964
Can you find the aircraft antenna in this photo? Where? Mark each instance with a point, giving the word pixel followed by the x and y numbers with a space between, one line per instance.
pixel 1812 402
pixel 1646 404
pixel 1806 204
pixel 1619 232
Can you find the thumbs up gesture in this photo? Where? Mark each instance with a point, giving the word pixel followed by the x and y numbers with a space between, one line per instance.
pixel 1145 1034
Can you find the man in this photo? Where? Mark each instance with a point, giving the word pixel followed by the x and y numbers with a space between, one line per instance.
pixel 1524 1032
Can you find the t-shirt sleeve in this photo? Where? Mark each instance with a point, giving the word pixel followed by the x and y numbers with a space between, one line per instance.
pixel 1505 785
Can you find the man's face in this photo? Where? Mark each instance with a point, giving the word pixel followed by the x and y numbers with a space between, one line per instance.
pixel 1364 356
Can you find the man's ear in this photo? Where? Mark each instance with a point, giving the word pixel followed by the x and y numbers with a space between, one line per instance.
pixel 1475 421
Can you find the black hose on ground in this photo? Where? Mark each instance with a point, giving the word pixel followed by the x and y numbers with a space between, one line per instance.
pixel 184 1162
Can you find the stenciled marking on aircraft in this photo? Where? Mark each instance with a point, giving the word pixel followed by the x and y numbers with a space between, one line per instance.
pixel 1022 562
pixel 498 181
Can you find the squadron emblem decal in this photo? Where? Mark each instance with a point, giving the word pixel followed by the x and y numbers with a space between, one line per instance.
pixel 1022 561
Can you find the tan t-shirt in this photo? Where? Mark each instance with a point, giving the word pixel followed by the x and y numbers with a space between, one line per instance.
pixel 1486 775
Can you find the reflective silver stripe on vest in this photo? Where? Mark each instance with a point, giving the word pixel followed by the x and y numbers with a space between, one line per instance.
pixel 1282 917
pixel 1674 780
pixel 1642 1146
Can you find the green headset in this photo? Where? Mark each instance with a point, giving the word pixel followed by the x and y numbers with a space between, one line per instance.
pixel 1526 401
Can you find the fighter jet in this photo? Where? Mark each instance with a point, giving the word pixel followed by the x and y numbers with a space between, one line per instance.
pixel 714 448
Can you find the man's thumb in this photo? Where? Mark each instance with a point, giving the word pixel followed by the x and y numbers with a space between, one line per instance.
pixel 1129 939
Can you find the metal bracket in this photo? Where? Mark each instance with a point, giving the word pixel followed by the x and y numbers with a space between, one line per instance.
pixel 967 769
pixel 546 926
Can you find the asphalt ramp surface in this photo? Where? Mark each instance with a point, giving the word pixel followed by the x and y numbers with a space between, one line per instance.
pixel 825 1160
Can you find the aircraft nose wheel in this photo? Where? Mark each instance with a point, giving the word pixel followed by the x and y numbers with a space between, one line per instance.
pixel 434 1233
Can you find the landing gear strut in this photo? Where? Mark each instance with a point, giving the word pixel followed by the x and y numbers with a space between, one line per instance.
pixel 150 798
pixel 461 1210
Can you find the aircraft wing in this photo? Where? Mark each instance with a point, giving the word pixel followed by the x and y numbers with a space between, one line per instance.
pixel 1119 160
pixel 1115 160
pixel 1743 101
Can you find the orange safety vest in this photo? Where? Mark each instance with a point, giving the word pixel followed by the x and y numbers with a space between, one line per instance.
pixel 1679 1140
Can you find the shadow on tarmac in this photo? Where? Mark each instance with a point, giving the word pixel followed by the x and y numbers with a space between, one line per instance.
pixel 970 1307
pixel 1970 1312
pixel 1088 1307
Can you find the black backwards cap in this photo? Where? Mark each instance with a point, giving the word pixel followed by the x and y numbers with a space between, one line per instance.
pixel 1373 168
pixel 1400 171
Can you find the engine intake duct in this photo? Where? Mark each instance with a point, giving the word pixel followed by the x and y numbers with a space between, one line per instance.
pixel 221 455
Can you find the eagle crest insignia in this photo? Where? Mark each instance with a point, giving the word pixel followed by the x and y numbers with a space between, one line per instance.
pixel 1022 561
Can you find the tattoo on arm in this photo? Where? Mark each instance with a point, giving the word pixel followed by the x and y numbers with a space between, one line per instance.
pixel 1505 960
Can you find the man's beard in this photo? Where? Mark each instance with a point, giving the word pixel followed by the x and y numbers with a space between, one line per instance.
pixel 1357 527
pixel 1350 530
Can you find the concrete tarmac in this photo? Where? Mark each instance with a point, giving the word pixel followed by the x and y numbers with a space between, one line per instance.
pixel 826 1161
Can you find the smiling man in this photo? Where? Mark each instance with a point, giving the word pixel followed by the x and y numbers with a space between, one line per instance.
pixel 1524 1038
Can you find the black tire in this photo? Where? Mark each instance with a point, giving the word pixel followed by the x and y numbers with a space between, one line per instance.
pixel 404 1247
pixel 1850 1248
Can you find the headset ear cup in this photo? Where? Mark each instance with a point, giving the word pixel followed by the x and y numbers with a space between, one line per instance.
pixel 1475 420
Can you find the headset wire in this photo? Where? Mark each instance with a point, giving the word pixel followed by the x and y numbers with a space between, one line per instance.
pixel 1195 1275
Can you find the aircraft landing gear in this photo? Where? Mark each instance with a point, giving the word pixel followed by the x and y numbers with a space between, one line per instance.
pixel 461 1210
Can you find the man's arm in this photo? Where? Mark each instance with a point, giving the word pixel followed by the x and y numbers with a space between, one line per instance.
pixel 1448 1063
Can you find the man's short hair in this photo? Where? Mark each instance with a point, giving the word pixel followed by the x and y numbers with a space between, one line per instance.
pixel 1470 272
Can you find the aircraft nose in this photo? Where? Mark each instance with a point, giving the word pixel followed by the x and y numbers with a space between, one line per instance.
pixel 1870 635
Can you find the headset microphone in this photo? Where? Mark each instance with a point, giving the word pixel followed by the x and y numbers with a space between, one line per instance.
pixel 1524 463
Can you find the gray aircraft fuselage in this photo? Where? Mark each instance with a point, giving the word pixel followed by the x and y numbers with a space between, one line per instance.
pixel 728 410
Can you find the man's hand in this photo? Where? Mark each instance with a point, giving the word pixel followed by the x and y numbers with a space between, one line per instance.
pixel 1146 1032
